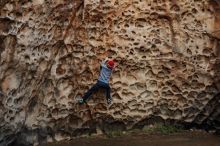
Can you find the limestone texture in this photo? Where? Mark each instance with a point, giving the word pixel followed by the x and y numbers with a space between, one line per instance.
pixel 167 54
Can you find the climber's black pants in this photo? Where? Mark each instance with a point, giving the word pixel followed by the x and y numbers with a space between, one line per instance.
pixel 95 87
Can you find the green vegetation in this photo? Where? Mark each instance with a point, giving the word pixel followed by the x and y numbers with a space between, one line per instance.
pixel 115 133
pixel 152 129
pixel 162 129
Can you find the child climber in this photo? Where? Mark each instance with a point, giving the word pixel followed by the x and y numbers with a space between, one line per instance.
pixel 106 67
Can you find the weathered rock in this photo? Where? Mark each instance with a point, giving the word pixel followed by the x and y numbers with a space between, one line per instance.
pixel 167 53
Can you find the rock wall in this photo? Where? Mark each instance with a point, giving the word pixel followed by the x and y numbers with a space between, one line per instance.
pixel 167 65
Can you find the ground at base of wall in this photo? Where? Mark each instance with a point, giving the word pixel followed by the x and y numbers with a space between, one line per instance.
pixel 183 138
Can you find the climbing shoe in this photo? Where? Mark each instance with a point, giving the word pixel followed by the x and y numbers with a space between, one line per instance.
pixel 80 100
pixel 109 101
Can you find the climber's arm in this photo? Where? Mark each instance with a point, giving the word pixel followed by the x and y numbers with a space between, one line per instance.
pixel 103 63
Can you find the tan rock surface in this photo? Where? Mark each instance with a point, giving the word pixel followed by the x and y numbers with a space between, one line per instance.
pixel 166 51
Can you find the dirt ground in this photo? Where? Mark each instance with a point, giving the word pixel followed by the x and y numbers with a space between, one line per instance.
pixel 179 139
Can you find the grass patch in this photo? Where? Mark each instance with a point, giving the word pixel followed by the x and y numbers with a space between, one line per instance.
pixel 162 129
pixel 157 128
pixel 115 133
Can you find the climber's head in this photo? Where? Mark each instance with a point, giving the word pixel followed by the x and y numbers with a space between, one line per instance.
pixel 110 64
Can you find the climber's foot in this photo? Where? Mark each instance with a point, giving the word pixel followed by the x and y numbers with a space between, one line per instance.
pixel 80 100
pixel 109 101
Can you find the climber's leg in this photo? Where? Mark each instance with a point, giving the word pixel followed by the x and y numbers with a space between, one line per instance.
pixel 108 94
pixel 107 90
pixel 90 91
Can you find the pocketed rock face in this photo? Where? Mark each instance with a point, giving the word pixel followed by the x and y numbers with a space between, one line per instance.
pixel 167 65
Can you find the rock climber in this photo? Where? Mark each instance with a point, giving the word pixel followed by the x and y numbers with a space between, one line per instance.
pixel 106 68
